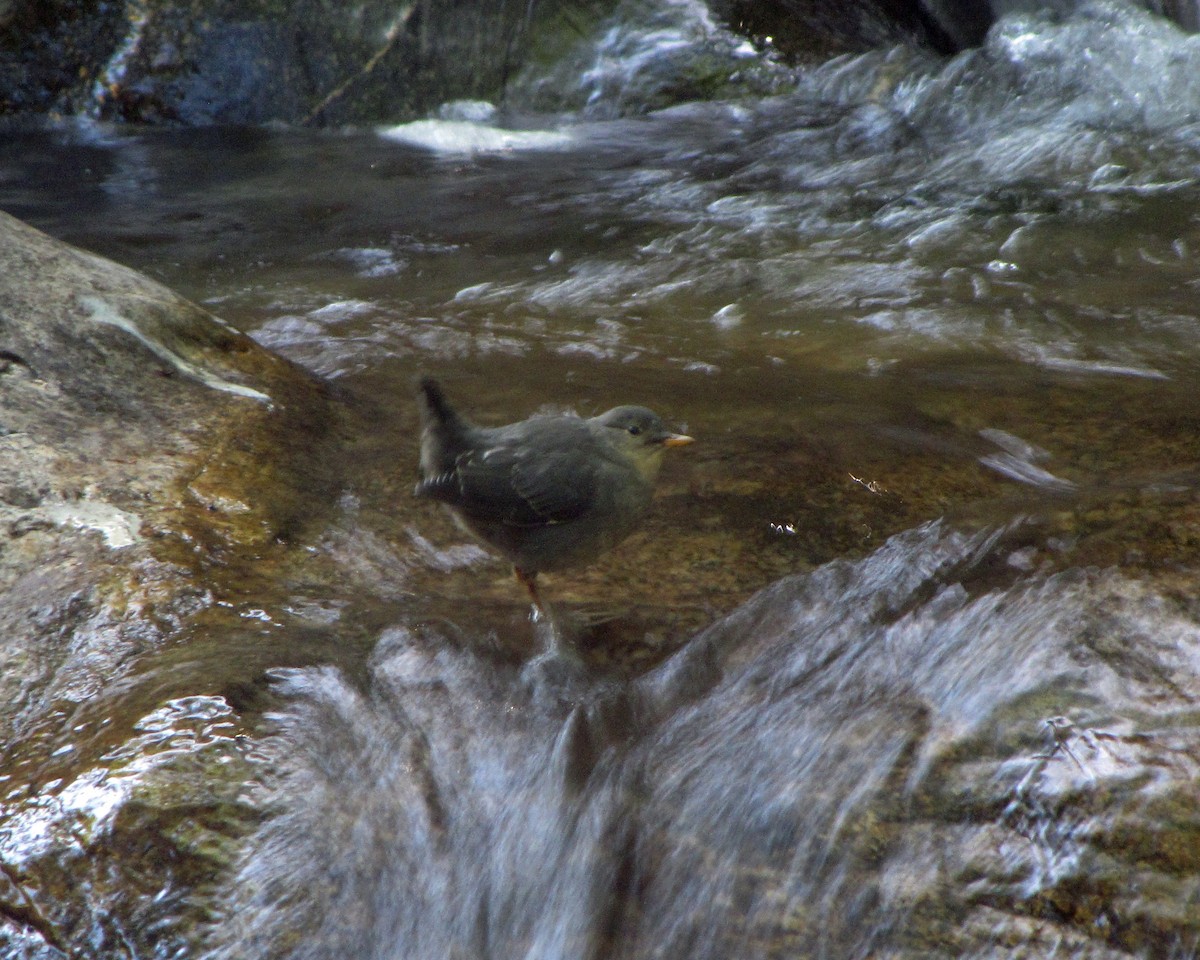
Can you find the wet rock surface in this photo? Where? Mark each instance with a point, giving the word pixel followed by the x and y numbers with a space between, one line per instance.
pixel 136 432
pixel 212 61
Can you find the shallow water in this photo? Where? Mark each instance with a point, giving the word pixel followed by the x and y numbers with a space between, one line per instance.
pixel 903 290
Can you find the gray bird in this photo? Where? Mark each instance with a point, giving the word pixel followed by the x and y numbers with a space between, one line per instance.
pixel 546 493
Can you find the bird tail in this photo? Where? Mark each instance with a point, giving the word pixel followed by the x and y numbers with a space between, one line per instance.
pixel 435 408
pixel 443 434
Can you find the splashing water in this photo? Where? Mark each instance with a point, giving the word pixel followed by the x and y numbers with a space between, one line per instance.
pixel 791 784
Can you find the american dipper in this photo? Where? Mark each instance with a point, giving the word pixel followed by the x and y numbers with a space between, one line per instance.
pixel 545 493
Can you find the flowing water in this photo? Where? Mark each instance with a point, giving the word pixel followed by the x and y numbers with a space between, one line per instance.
pixel 744 799
pixel 897 289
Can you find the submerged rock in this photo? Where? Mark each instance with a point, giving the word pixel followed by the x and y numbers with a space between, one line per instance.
pixel 940 757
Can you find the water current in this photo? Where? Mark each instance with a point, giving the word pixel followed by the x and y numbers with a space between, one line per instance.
pixel 933 324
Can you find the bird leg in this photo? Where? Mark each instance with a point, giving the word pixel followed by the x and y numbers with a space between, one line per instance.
pixel 529 582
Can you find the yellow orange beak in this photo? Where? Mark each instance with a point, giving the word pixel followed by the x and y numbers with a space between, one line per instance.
pixel 678 440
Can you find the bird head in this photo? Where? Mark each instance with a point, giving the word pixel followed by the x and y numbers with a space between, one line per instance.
pixel 640 435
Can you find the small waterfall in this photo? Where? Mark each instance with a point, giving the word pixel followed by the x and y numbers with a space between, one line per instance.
pixel 799 781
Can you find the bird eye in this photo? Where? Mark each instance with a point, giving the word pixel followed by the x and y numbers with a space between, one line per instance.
pixel 635 430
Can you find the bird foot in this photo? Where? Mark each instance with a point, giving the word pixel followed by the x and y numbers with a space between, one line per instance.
pixel 529 582
pixel 557 629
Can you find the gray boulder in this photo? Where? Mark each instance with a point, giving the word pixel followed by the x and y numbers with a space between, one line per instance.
pixel 146 451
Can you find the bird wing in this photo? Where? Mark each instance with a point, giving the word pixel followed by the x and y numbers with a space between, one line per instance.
pixel 509 480
pixel 526 488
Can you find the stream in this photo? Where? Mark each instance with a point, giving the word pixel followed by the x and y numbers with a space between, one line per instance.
pixel 933 324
